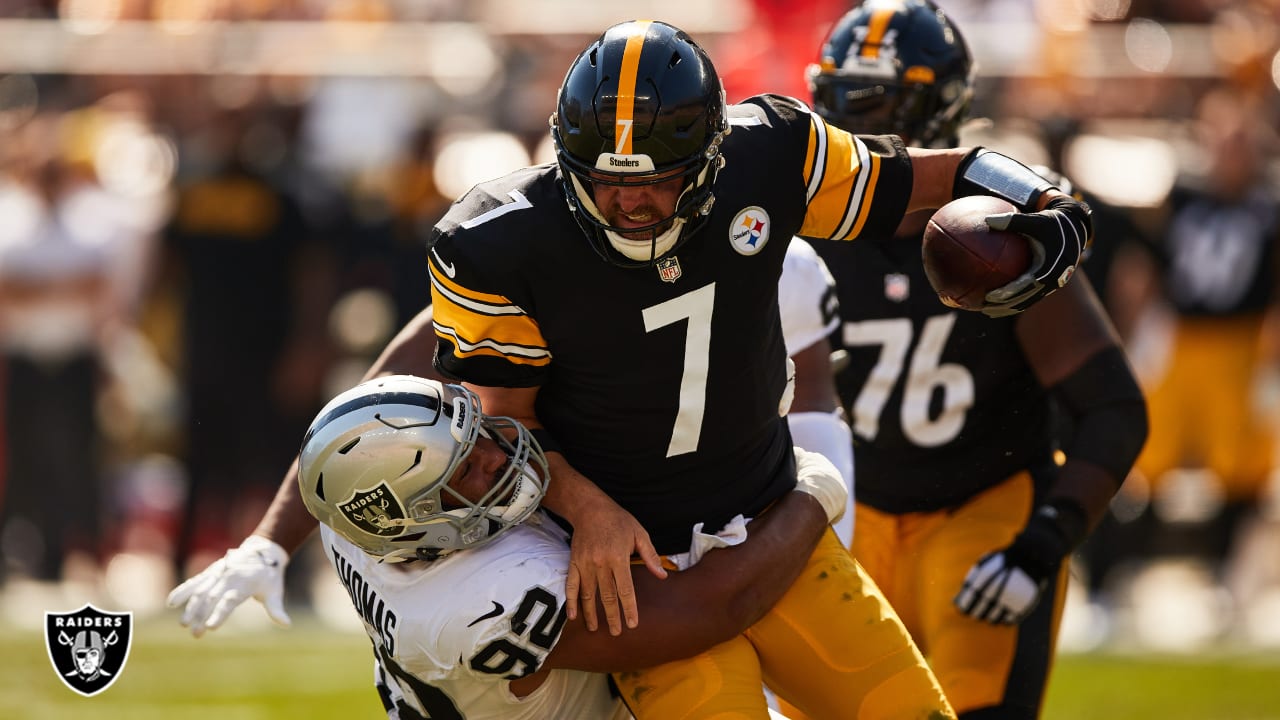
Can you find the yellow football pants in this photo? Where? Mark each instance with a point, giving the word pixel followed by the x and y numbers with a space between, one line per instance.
pixel 920 560
pixel 1203 411
pixel 833 646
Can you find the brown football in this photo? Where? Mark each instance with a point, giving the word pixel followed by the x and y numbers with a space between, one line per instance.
pixel 964 259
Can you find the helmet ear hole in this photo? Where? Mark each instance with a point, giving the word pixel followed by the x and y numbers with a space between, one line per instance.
pixel 320 486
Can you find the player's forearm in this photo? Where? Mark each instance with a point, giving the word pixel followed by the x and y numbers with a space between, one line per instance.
pixel 933 173
pixel 720 597
pixel 410 352
pixel 287 521
pixel 570 494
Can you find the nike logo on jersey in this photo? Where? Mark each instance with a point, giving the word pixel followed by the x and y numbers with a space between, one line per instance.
pixel 497 610
pixel 446 267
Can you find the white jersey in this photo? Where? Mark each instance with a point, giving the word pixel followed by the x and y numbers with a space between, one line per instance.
pixel 806 297
pixel 449 635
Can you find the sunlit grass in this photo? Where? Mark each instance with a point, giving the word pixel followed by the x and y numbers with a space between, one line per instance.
pixel 314 672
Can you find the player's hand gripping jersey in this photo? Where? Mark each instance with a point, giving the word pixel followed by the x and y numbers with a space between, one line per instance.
pixel 696 357
pixel 502 615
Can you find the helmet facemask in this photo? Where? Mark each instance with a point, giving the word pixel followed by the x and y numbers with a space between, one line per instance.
pixel 645 244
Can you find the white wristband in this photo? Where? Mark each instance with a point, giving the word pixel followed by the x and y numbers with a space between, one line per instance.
pixel 816 476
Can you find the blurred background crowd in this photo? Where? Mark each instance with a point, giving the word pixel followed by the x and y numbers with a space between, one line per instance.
pixel 212 217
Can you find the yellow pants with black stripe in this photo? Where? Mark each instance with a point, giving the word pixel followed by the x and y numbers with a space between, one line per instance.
pixel 919 560
pixel 833 646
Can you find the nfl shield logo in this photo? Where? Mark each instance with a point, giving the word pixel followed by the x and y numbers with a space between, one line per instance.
pixel 88 647
pixel 669 269
pixel 897 287
pixel 374 511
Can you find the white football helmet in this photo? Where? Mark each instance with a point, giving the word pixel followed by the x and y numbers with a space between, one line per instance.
pixel 376 463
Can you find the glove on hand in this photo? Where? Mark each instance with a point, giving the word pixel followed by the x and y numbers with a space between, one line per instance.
pixel 255 569
pixel 818 476
pixel 1059 235
pixel 1003 587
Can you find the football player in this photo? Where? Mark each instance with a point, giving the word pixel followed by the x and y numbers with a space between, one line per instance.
pixel 622 303
pixel 963 517
pixel 1214 314
pixel 429 514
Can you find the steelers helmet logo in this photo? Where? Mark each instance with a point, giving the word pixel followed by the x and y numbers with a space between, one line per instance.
pixel 375 511
pixel 749 230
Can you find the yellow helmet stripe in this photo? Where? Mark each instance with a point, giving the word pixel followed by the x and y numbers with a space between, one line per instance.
pixel 876 27
pixel 625 114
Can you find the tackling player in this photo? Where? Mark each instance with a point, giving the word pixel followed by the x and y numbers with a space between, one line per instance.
pixel 963 517
pixel 429 514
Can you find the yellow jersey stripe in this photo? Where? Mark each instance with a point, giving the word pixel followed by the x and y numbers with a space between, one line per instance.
pixel 856 215
pixel 864 200
pixel 513 337
pixel 815 156
pixel 625 114
pixel 833 205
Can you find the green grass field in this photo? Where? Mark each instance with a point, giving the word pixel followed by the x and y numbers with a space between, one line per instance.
pixel 317 673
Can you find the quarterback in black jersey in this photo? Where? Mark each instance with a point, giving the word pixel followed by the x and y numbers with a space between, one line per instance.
pixel 623 302
pixel 963 517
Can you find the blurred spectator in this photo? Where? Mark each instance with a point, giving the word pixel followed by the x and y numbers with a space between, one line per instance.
pixel 1207 346
pixel 72 258
pixel 255 287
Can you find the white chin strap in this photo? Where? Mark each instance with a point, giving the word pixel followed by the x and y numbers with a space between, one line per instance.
pixel 638 250
pixel 643 250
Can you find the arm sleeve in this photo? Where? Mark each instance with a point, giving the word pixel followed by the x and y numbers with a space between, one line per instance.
pixel 806 298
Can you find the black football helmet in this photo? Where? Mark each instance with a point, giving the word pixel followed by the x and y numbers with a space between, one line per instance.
pixel 898 67
pixel 642 104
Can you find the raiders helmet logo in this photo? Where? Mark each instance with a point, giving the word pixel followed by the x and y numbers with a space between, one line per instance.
pixel 374 511
pixel 88 647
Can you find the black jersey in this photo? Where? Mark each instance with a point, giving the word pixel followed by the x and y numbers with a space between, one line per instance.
pixel 1219 254
pixel 942 402
pixel 662 383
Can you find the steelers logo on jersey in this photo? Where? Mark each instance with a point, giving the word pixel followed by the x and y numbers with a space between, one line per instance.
pixel 374 511
pixel 749 230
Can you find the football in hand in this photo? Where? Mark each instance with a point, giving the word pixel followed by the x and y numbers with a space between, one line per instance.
pixel 964 259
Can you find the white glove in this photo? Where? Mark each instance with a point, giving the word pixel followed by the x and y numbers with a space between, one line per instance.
pixel 817 476
pixel 255 569
pixel 998 591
